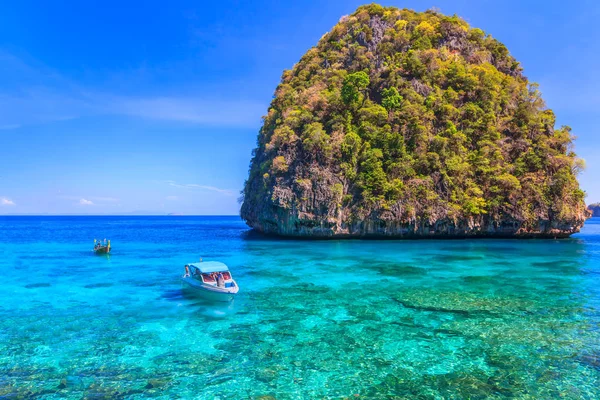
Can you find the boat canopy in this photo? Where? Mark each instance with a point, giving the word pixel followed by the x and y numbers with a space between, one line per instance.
pixel 206 267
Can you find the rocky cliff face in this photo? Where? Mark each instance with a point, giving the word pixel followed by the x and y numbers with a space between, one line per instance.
pixel 405 124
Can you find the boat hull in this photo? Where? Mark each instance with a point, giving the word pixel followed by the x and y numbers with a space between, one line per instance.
pixel 210 292
pixel 102 250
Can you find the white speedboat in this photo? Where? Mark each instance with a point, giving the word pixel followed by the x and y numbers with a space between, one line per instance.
pixel 211 280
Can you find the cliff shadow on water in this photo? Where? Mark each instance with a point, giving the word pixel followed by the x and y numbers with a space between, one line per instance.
pixel 405 233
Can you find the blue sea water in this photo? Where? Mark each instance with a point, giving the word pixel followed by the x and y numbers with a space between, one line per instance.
pixel 314 319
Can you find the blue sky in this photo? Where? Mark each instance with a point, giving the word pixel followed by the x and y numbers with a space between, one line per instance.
pixel 154 107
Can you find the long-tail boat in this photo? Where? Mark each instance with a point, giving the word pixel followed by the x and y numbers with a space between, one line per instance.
pixel 101 247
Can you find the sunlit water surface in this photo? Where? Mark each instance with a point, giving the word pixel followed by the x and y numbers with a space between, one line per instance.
pixel 314 319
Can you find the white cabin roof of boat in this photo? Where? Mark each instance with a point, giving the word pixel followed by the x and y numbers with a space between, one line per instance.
pixel 206 267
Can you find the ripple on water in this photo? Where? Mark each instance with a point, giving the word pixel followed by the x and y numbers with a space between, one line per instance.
pixel 336 319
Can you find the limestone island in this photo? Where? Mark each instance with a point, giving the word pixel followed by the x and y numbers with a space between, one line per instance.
pixel 594 209
pixel 409 124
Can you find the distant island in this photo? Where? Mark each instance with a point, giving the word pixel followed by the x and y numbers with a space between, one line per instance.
pixel 594 209
pixel 411 124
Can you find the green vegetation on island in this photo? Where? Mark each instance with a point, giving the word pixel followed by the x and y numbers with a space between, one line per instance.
pixel 404 123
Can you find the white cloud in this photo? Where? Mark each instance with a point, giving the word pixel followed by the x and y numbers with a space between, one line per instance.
pixel 204 111
pixel 91 198
pixel 105 199
pixel 85 202
pixel 6 202
pixel 9 126
pixel 227 192
pixel 40 106
pixel 49 97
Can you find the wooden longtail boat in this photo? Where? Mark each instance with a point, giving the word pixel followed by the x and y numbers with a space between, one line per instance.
pixel 101 248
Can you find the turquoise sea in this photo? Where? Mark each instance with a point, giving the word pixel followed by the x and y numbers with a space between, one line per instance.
pixel 314 319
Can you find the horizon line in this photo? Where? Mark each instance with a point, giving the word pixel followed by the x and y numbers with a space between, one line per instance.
pixel 119 215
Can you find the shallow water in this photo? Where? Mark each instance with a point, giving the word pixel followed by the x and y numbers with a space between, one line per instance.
pixel 325 319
